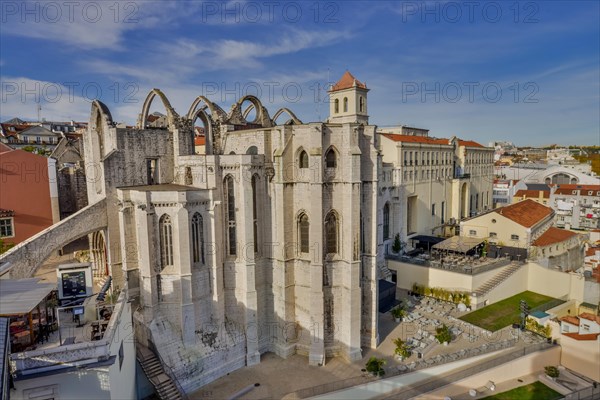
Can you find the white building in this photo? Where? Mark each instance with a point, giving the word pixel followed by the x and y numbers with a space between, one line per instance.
pixel 576 206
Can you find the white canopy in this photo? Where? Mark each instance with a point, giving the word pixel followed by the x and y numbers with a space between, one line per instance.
pixel 21 296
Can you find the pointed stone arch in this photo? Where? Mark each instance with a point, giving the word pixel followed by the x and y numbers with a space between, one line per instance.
pixel 172 116
pixel 294 120
pixel 216 113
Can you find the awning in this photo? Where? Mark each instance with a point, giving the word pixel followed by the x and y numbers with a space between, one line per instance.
pixel 21 296
pixel 459 244
pixel 427 239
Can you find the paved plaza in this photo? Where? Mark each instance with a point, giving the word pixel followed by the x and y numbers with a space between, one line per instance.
pixel 278 377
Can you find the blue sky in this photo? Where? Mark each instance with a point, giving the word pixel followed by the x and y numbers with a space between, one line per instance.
pixel 527 72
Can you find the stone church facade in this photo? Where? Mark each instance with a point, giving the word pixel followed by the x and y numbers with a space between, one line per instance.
pixel 266 243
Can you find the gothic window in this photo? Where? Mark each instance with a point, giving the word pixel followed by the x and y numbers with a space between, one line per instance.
pixel 255 212
pixel 197 239
pixel 230 214
pixel 166 241
pixel 303 232
pixel 330 159
pixel 336 105
pixel 345 104
pixel 386 221
pixel 303 159
pixel 331 233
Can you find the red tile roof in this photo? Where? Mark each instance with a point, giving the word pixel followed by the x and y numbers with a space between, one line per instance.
pixel 553 235
pixel 590 317
pixel 6 213
pixel 583 189
pixel 591 251
pixel 526 213
pixel 428 140
pixel 588 336
pixel 414 139
pixel 571 320
pixel 469 143
pixel 346 82
pixel 533 193
pixel 4 148
pixel 199 141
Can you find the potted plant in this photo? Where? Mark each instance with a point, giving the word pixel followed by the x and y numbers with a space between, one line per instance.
pixel 443 335
pixel 398 313
pixel 375 366
pixel 402 351
pixel 552 372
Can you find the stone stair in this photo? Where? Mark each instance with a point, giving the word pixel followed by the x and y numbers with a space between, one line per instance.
pixel 384 272
pixel 163 385
pixel 497 279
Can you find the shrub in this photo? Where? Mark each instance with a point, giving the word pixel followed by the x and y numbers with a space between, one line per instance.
pixel 552 371
pixel 401 348
pixel 443 334
pixel 398 312
pixel 375 366
pixel 397 246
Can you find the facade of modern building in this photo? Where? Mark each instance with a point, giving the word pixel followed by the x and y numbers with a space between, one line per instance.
pixel 576 206
pixel 503 191
pixel 428 184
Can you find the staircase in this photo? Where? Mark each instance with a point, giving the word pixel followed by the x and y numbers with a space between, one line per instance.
pixel 384 272
pixel 163 385
pixel 486 287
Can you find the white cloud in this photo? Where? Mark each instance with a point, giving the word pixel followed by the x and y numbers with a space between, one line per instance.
pixel 20 97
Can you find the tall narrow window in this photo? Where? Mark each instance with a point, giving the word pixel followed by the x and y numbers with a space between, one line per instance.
pixel 197 239
pixel 166 241
pixel 386 221
pixel 345 104
pixel 303 232
pixel 443 211
pixel 361 104
pixel 230 214
pixel 151 171
pixel 255 212
pixel 336 105
pixel 331 233
pixel 330 159
pixel 303 159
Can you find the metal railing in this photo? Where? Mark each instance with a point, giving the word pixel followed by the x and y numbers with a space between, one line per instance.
pixel 462 268
pixel 442 380
pixel 168 370
pixel 589 393
pixel 429 385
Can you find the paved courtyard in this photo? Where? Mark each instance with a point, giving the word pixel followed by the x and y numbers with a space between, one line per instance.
pixel 278 377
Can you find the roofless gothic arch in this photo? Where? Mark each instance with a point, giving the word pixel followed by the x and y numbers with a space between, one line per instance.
pixel 286 110
pixel 172 116
pixel 236 115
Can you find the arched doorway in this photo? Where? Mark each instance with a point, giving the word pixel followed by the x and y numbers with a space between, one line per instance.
pixel 98 255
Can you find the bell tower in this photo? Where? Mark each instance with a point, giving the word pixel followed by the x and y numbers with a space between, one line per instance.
pixel 348 101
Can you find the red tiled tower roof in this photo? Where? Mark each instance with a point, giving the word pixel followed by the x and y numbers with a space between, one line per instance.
pixel 347 81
